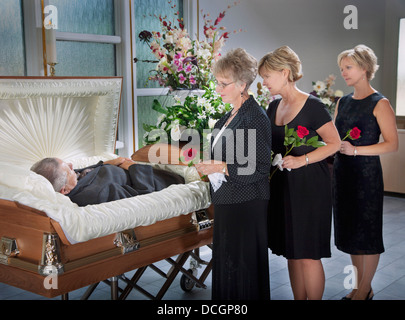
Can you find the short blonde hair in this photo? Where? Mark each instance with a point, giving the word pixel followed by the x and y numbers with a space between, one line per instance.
pixel 283 58
pixel 238 65
pixel 364 57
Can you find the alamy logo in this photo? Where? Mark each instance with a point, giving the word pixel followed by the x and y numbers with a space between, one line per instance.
pixel 351 20
pixel 350 281
pixel 51 17
pixel 51 280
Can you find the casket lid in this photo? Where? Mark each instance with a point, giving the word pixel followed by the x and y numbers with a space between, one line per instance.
pixel 68 118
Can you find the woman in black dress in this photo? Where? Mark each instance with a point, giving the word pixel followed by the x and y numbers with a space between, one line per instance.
pixel 241 144
pixel 300 208
pixel 358 181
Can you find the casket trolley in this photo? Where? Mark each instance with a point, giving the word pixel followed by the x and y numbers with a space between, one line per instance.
pixel 49 245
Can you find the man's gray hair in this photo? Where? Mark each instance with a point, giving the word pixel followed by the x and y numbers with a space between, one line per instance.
pixel 50 168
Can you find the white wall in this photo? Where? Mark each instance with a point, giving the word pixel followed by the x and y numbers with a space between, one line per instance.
pixel 312 28
pixel 395 10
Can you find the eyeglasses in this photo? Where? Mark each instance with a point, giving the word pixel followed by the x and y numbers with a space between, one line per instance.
pixel 221 85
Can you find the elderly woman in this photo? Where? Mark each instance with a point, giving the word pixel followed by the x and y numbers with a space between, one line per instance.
pixel 358 178
pixel 300 210
pixel 241 150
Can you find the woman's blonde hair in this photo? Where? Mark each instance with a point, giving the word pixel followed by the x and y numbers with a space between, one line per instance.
pixel 283 58
pixel 238 65
pixel 364 57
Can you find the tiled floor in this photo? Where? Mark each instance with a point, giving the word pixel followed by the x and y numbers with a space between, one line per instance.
pixel 388 284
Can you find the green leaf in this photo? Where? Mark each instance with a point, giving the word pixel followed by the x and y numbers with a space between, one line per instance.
pixel 313 139
pixel 148 127
pixel 290 140
pixel 318 144
pixel 295 135
pixel 158 107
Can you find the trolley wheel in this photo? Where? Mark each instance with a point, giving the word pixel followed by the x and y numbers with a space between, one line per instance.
pixel 186 283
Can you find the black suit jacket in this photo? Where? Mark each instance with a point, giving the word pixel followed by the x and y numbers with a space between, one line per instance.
pixel 248 156
pixel 106 183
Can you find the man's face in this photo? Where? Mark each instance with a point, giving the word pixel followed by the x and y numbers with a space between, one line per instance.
pixel 71 176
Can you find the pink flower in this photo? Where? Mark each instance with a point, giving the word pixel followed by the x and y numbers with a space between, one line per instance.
pixel 192 80
pixel 182 78
pixel 176 62
pixel 189 68
pixel 221 16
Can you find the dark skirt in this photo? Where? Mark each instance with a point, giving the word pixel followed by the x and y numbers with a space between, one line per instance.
pixel 358 204
pixel 300 212
pixel 240 253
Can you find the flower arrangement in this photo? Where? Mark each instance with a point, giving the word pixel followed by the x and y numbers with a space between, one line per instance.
pixel 184 63
pixel 323 90
pixel 353 134
pixel 292 139
pixel 197 113
pixel 264 96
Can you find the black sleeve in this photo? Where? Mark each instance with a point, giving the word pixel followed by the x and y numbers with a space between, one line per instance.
pixel 320 114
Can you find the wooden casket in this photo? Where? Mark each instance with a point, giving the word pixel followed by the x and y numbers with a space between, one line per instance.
pixel 49 245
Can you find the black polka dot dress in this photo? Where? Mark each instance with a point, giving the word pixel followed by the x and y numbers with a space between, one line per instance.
pixel 240 253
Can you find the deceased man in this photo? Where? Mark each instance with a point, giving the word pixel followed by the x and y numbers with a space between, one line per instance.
pixel 106 181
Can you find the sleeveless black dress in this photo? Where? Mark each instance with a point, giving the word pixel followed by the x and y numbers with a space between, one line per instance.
pixel 358 181
pixel 300 207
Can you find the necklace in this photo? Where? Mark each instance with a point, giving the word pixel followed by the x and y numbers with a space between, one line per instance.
pixel 233 112
pixel 231 117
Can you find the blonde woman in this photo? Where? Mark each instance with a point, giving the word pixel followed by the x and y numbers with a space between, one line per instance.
pixel 300 208
pixel 358 180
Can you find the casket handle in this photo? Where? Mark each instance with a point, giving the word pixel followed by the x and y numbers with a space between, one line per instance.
pixel 201 220
pixel 126 240
pixel 51 258
pixel 8 249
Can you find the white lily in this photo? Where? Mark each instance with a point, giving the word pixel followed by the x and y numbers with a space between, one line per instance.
pixel 176 131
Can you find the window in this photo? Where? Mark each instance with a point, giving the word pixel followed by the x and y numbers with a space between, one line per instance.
pixel 12 48
pixel 146 18
pixel 146 13
pixel 400 108
pixel 86 38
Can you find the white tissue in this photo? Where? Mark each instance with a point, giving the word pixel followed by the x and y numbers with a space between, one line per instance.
pixel 278 162
pixel 216 180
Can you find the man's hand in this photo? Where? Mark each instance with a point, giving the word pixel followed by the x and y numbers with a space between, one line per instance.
pixel 117 162
pixel 126 164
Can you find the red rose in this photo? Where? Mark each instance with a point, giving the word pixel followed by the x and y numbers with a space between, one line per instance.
pixel 302 131
pixel 355 133
pixel 189 154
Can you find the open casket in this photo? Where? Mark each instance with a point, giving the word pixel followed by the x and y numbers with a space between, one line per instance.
pixel 51 246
